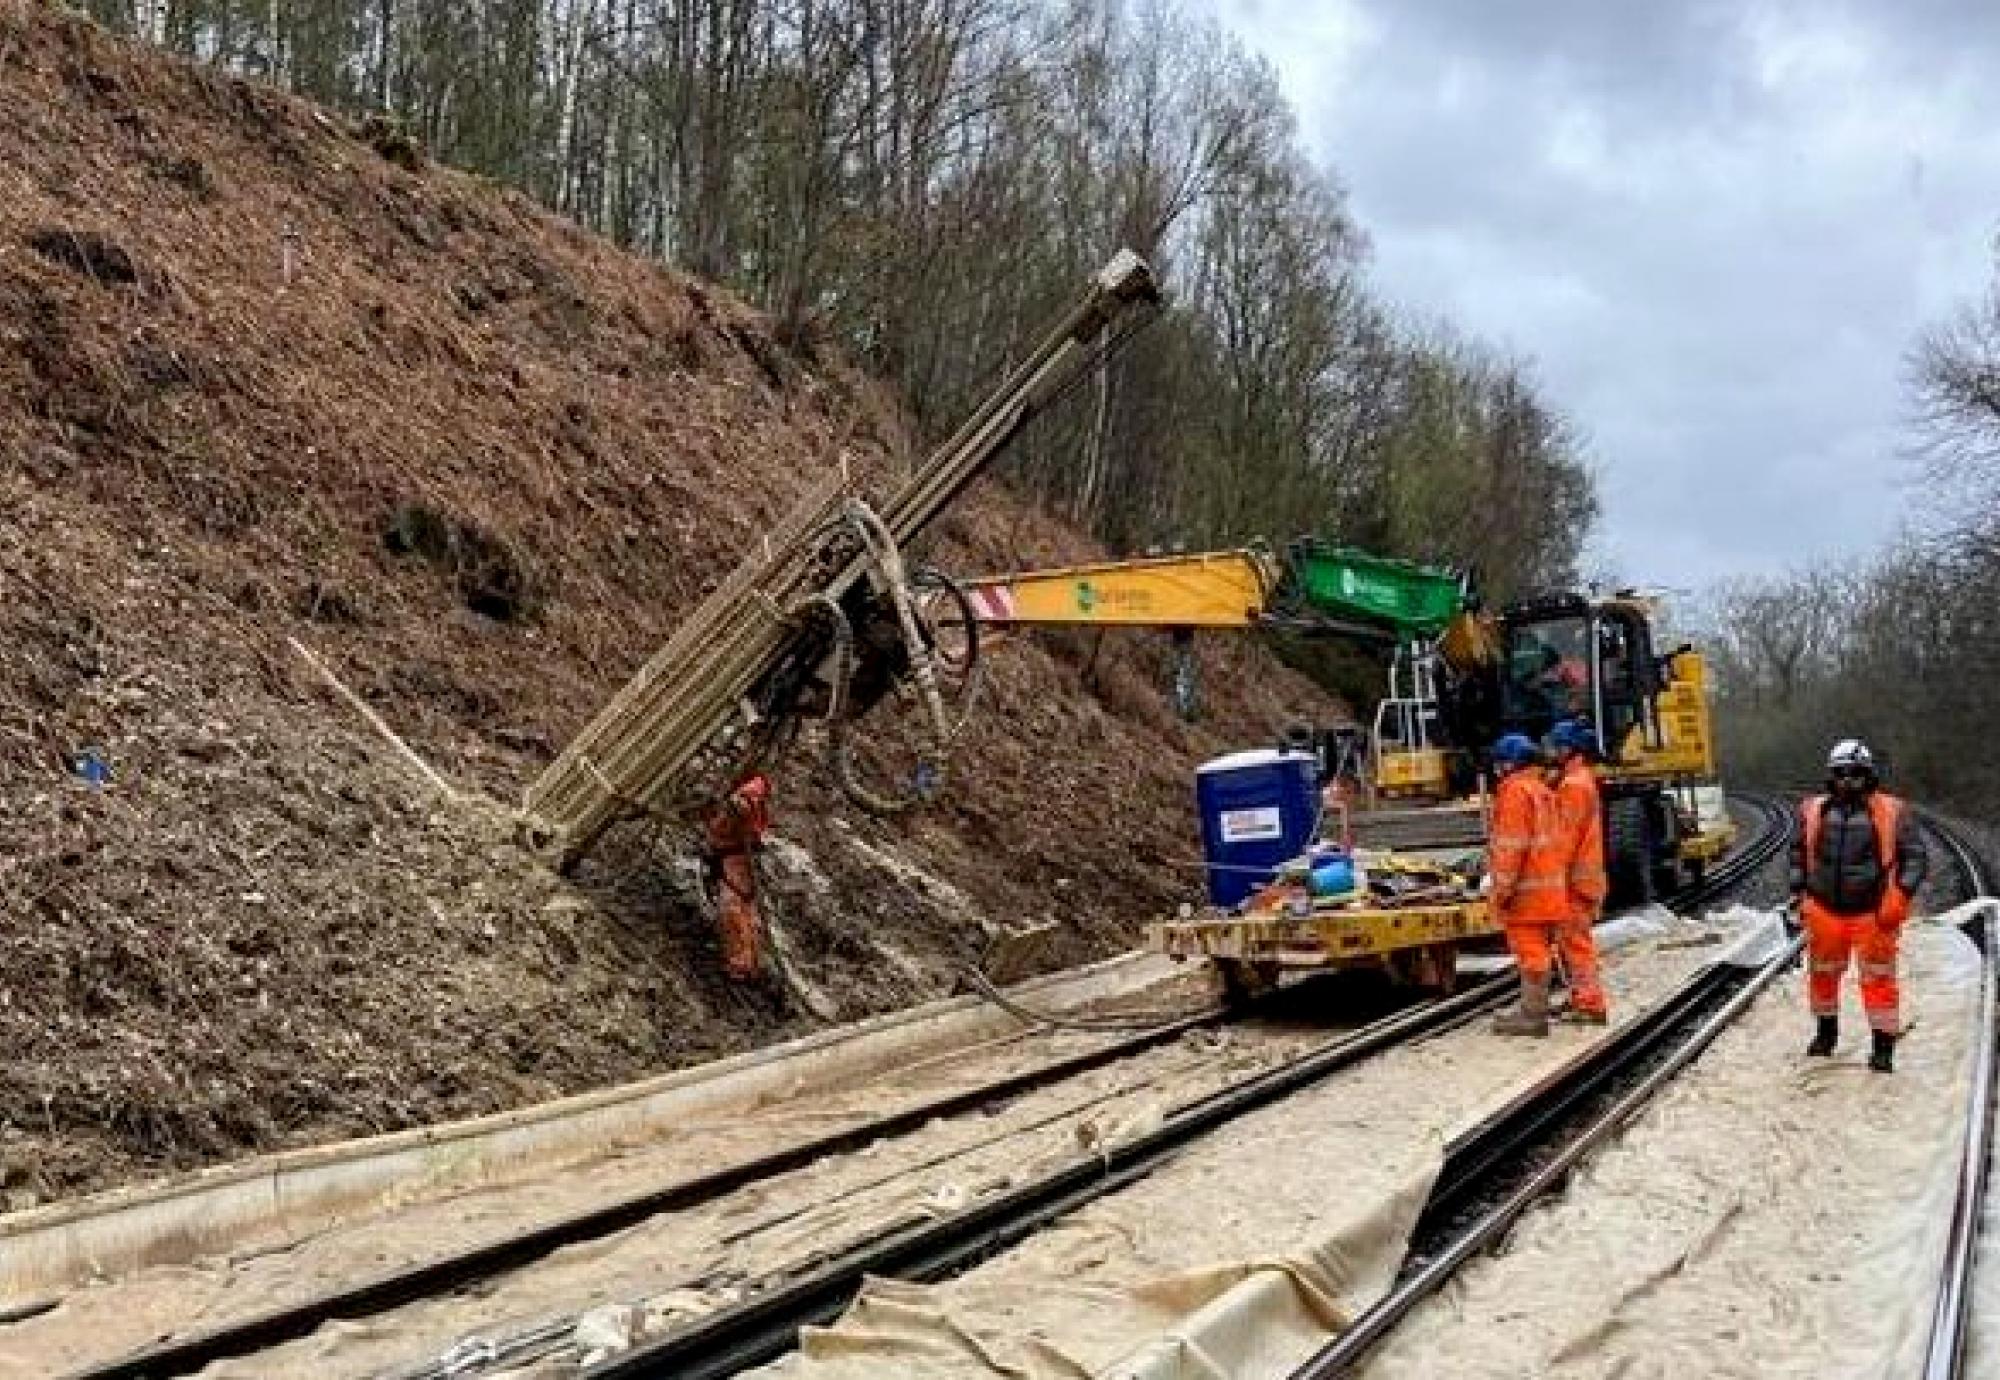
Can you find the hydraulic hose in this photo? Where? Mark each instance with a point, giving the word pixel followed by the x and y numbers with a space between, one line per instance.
pixel 931 769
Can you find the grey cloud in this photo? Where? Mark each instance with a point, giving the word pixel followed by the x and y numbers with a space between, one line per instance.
pixel 1716 227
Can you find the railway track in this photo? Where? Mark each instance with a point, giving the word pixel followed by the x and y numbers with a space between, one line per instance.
pixel 463 1269
pixel 1945 1357
pixel 1525 1152
pixel 767 1322
pixel 1502 1167
pixel 769 1326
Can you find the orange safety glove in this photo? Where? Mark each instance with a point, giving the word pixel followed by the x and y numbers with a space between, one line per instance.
pixel 1894 912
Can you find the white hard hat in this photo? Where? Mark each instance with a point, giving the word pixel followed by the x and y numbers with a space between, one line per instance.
pixel 1850 752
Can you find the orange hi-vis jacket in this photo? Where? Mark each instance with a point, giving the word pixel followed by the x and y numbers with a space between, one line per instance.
pixel 1530 871
pixel 1580 831
pixel 1868 937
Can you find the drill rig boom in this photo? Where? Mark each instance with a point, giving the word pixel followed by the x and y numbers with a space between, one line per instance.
pixel 726 690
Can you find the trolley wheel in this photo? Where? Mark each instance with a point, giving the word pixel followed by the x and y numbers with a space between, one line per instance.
pixel 1438 969
pixel 1244 981
pixel 1430 968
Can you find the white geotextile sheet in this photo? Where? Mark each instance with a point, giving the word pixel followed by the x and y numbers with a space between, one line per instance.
pixel 1100 1295
pixel 1240 1257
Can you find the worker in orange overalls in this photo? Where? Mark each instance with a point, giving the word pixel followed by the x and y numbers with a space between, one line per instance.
pixel 1856 864
pixel 1530 888
pixel 1580 836
pixel 735 830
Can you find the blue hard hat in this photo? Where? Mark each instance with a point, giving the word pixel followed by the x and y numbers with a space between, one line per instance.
pixel 1515 749
pixel 1573 735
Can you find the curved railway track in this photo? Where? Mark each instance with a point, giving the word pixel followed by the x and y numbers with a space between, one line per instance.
pixel 766 1324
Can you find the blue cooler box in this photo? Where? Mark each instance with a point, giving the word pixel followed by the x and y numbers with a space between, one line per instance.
pixel 1257 811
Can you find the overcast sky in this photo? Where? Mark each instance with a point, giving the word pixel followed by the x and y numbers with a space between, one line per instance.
pixel 1716 227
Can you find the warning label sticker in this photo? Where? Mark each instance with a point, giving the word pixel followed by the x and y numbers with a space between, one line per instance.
pixel 1252 826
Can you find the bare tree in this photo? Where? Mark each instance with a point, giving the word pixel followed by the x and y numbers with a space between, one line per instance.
pixel 1955 372
pixel 921 182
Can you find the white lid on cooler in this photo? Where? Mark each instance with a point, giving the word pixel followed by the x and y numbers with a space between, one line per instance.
pixel 1255 757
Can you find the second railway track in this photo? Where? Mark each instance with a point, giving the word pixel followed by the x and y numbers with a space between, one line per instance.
pixel 1503 1168
pixel 1944 1356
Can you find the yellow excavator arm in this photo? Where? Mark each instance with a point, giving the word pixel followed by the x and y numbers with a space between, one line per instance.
pixel 1214 589
pixel 1319 589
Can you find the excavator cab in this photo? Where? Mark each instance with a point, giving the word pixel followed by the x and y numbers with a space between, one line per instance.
pixel 1568 658
pixel 1547 674
pixel 1630 678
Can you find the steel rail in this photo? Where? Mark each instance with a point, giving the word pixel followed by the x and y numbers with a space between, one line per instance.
pixel 1944 1358
pixel 1740 867
pixel 1339 1355
pixel 445 1273
pixel 1474 1158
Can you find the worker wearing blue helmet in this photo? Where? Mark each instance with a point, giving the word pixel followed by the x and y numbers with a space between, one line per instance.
pixel 1512 750
pixel 1579 816
pixel 1530 896
pixel 1574 736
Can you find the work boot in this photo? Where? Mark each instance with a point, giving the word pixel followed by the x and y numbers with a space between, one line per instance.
pixel 1828 1036
pixel 1882 1058
pixel 1531 1017
pixel 1585 1015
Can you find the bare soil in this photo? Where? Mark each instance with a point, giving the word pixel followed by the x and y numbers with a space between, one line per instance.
pixel 265 376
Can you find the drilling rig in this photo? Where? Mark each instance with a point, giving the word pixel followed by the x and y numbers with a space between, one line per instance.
pixel 819 622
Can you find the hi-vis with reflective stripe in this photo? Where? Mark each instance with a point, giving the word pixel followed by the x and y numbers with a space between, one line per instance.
pixel 1530 883
pixel 1580 812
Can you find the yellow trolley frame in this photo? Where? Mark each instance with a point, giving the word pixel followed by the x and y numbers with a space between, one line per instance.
pixel 1417 943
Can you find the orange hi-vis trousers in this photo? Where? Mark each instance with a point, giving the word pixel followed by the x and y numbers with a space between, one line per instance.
pixel 1577 939
pixel 1535 943
pixel 1532 942
pixel 1831 940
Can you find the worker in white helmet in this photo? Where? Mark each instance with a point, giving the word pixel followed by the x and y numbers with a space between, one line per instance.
pixel 1856 864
